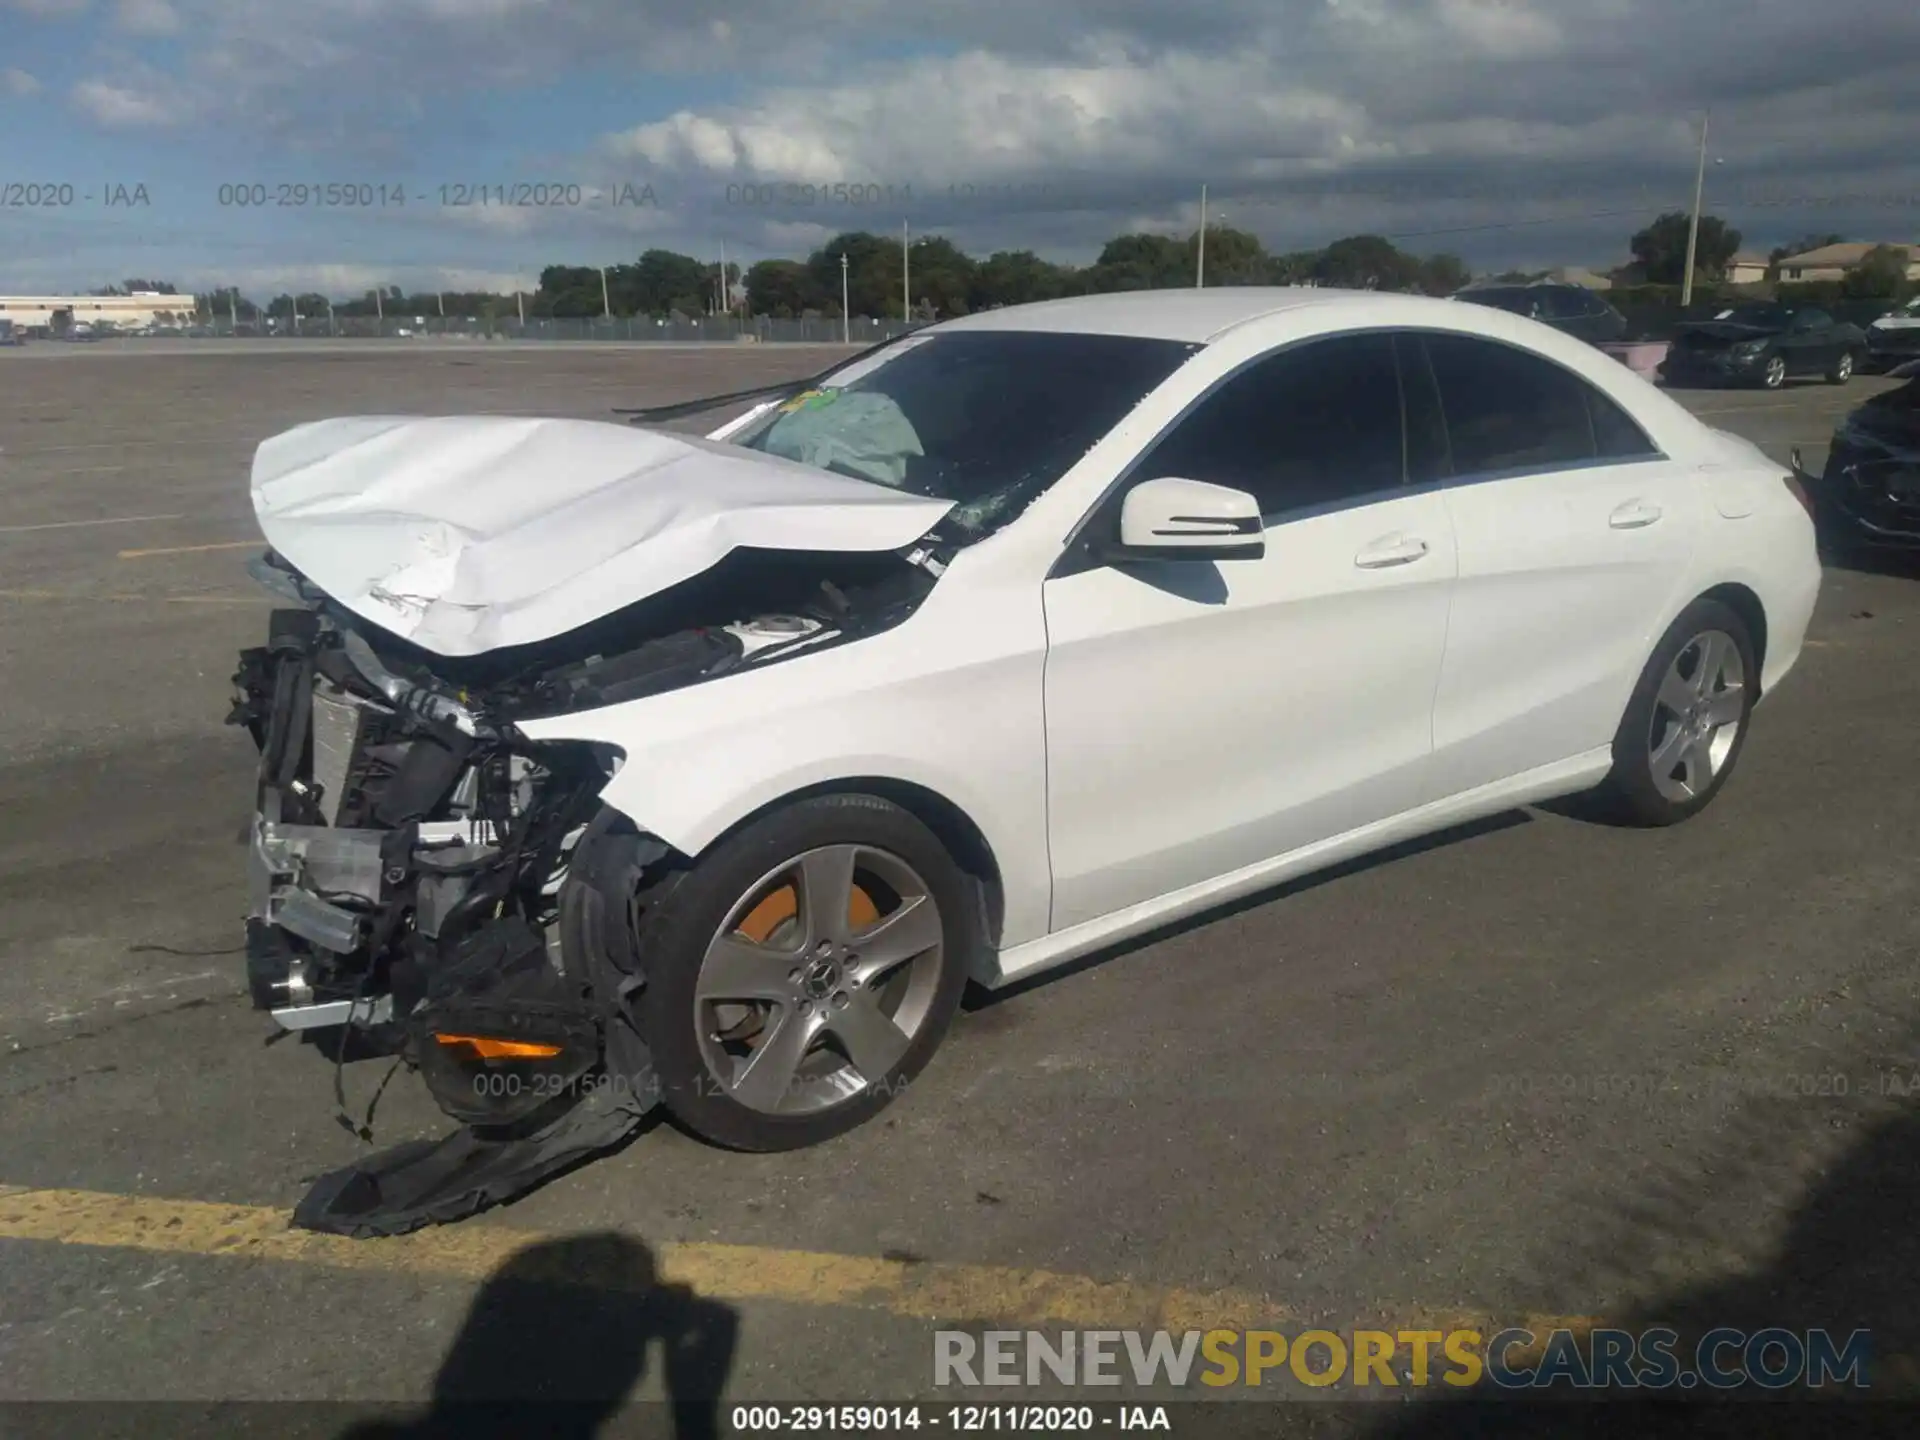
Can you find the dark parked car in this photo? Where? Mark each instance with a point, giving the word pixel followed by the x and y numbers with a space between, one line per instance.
pixel 1894 338
pixel 1572 309
pixel 1868 497
pixel 1764 344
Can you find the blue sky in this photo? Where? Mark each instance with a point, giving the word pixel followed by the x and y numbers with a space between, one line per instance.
pixel 1550 132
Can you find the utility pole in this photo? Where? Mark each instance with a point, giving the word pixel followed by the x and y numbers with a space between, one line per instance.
pixel 520 300
pixel 606 304
pixel 846 318
pixel 906 288
pixel 330 329
pixel 441 297
pixel 1200 259
pixel 726 290
pixel 233 308
pixel 379 306
pixel 1693 227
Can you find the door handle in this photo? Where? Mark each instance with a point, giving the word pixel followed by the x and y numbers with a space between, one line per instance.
pixel 1393 550
pixel 1633 515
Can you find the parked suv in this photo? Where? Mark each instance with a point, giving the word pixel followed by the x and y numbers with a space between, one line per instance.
pixel 1572 309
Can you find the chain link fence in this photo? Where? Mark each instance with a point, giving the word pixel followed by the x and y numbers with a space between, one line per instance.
pixel 639 329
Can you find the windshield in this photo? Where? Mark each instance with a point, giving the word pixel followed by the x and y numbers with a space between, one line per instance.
pixel 1772 317
pixel 987 419
pixel 1519 301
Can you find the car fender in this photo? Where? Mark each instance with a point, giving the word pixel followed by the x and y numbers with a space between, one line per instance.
pixel 946 702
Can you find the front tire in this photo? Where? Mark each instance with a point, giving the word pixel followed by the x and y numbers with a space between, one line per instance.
pixel 802 972
pixel 1686 723
pixel 1775 375
pixel 1842 370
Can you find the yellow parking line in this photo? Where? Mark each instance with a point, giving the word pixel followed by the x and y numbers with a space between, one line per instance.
pixel 189 549
pixel 920 1290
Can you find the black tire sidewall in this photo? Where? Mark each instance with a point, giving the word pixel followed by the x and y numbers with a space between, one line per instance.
pixel 675 928
pixel 1630 783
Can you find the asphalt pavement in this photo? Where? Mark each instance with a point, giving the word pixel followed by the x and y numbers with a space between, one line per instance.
pixel 1540 1069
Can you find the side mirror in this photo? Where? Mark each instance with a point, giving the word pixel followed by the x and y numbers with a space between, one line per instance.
pixel 1174 519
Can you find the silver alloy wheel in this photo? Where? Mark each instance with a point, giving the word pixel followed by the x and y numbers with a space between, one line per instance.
pixel 822 1006
pixel 1696 716
pixel 1844 370
pixel 1776 372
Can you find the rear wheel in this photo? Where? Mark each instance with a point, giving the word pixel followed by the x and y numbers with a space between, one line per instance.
pixel 801 973
pixel 1686 722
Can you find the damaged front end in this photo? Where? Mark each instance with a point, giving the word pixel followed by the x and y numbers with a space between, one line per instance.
pixel 428 883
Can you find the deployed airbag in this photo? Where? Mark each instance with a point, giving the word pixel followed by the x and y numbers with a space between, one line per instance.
pixel 471 533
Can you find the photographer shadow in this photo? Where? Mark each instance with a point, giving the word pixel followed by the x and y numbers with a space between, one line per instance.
pixel 557 1339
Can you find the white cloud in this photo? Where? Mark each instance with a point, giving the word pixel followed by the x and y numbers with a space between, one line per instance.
pixel 122 107
pixel 47 9
pixel 19 84
pixel 146 17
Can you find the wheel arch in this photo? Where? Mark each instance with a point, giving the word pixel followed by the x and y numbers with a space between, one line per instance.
pixel 962 836
pixel 1745 603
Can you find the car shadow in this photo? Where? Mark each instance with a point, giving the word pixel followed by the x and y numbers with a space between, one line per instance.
pixel 978 998
pixel 557 1339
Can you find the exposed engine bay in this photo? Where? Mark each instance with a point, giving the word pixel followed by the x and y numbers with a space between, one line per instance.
pixel 428 881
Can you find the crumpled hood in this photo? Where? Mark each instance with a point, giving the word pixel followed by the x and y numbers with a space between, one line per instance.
pixel 472 533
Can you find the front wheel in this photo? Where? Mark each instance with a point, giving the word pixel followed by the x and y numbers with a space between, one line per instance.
pixel 1842 370
pixel 1686 722
pixel 802 972
pixel 1775 375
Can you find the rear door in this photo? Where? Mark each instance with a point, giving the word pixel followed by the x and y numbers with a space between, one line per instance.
pixel 1573 535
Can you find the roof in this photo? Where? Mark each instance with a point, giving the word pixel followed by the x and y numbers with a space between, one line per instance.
pixel 1747 257
pixel 1193 316
pixel 1851 252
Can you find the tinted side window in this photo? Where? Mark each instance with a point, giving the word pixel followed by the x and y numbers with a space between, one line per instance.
pixel 1813 320
pixel 1617 435
pixel 1313 425
pixel 1508 410
pixel 1567 304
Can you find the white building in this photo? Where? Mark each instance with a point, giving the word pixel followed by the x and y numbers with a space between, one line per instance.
pixel 126 312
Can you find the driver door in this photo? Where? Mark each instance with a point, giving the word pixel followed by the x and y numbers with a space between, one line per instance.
pixel 1203 716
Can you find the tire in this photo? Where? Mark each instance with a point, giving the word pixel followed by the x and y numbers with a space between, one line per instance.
pixel 1775 375
pixel 717 1060
pixel 1842 369
pixel 1642 790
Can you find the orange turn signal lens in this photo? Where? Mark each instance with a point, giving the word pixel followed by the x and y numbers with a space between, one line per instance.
pixel 486 1048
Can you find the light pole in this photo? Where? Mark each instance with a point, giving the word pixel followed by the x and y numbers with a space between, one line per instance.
pixel 846 317
pixel 330 329
pixel 1693 226
pixel 906 288
pixel 606 304
pixel 1200 256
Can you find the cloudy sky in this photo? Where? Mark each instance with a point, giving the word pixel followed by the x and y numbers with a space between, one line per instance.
pixel 1527 132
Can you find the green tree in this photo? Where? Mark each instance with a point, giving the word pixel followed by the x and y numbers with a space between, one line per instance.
pixel 873 271
pixel 1880 275
pixel 1296 267
pixel 1018 277
pixel 942 276
pixel 666 280
pixel 1442 274
pixel 1141 262
pixel 787 289
pixel 1367 262
pixel 1234 257
pixel 1661 249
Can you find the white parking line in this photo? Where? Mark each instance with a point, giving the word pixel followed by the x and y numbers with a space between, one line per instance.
pixel 76 524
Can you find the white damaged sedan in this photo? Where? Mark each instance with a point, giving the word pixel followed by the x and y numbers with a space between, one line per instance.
pixel 597 760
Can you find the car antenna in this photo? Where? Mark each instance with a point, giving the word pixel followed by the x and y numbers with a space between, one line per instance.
pixel 682 408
